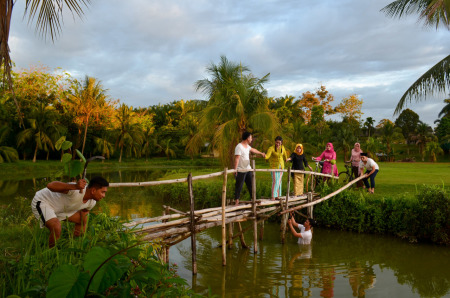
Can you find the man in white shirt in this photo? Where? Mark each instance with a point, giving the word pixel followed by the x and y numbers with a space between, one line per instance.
pixel 305 235
pixel 372 169
pixel 72 201
pixel 242 162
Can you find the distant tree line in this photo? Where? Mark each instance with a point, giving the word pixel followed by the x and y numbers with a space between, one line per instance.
pixel 53 104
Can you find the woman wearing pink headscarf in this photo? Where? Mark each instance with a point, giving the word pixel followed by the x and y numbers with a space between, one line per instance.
pixel 355 160
pixel 329 158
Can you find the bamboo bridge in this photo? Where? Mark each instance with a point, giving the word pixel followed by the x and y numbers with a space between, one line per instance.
pixel 174 226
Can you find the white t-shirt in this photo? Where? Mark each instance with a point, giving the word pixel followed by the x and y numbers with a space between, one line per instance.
pixel 369 165
pixel 306 235
pixel 64 205
pixel 244 160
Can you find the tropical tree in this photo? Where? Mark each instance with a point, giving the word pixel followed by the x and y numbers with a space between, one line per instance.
pixel 372 145
pixel 168 148
pixel 88 103
pixel 321 97
pixel 237 103
pixel 368 125
pixel 43 131
pixel 350 107
pixel 424 134
pixel 389 134
pixel 445 112
pixel 7 154
pixel 103 146
pixel 49 21
pixel 433 149
pixel 344 138
pixel 432 13
pixel 443 132
pixel 129 133
pixel 407 121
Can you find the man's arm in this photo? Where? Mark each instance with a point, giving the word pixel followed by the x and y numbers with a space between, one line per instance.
pixel 255 151
pixel 294 232
pixel 236 161
pixel 61 187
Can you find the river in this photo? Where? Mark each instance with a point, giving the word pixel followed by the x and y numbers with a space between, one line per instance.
pixel 337 264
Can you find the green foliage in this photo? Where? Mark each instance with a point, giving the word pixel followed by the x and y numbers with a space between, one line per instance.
pixel 425 217
pixel 107 260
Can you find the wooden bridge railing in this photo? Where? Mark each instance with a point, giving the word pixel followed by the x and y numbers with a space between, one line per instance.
pixel 174 228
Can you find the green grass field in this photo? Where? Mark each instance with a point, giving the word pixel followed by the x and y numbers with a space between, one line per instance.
pixel 394 178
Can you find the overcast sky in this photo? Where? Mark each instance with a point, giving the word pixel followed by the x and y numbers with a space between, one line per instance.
pixel 147 52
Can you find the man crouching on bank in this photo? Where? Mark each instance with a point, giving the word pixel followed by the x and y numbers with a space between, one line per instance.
pixel 72 201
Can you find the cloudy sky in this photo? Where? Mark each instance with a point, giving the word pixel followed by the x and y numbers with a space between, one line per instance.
pixel 147 52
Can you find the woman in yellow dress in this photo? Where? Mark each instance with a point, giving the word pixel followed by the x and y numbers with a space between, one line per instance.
pixel 276 155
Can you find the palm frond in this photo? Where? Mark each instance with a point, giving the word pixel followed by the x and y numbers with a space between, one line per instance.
pixel 50 14
pixel 435 80
pixel 432 12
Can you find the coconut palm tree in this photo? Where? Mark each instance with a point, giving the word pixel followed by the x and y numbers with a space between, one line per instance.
pixel 49 22
pixel 433 13
pixel 237 103
pixel 130 133
pixel 43 129
pixel 103 146
pixel 368 124
pixel 89 102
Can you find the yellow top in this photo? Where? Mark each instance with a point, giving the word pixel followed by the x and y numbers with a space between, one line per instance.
pixel 276 157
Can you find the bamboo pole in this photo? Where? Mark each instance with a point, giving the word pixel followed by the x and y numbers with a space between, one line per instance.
pixel 193 238
pixel 241 236
pixel 224 229
pixel 255 222
pixel 284 218
pixel 326 197
pixel 207 176
pixel 167 248
pixel 309 210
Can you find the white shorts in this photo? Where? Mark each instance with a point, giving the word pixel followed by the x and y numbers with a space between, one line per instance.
pixel 42 212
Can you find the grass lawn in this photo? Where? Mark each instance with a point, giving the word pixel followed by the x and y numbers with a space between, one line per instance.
pixel 394 178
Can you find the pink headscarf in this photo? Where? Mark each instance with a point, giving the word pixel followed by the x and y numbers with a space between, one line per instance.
pixel 332 148
pixel 359 148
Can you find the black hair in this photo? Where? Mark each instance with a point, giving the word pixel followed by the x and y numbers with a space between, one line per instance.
pixel 246 135
pixel 278 138
pixel 312 222
pixel 98 182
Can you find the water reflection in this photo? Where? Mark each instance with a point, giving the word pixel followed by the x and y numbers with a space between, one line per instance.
pixel 338 264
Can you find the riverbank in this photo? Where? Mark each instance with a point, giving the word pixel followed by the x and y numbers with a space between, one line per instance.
pixel 394 177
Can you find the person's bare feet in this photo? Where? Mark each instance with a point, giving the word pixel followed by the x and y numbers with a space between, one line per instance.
pixel 236 203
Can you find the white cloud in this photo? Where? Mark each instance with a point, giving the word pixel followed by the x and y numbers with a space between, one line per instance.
pixel 150 52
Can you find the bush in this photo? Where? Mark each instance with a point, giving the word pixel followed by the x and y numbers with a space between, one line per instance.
pixel 425 217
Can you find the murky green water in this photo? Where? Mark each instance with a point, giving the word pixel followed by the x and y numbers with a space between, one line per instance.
pixel 337 264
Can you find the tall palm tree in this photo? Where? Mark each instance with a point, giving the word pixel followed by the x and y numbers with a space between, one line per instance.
pixel 433 13
pixel 130 134
pixel 49 21
pixel 89 102
pixel 424 135
pixel 237 102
